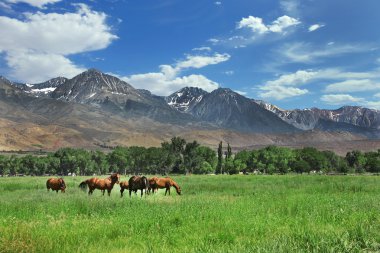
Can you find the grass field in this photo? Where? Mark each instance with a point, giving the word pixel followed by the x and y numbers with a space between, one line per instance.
pixel 215 214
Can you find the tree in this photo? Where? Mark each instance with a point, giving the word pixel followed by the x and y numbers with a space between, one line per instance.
pixel 219 167
pixel 357 160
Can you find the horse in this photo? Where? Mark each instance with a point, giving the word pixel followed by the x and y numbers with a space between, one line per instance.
pixel 123 186
pixel 136 183
pixel 56 184
pixel 151 186
pixel 101 184
pixel 164 182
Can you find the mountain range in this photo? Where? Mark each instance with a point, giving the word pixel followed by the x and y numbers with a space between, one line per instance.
pixel 95 108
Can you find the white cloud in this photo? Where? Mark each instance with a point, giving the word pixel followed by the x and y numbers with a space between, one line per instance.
pixel 257 25
pixel 213 41
pixel 353 85
pixel 168 80
pixel 38 67
pixel 229 72
pixel 36 3
pixel 349 82
pixel 202 49
pixel 290 7
pixel 200 61
pixel 161 84
pixel 298 78
pixel 373 104
pixel 307 53
pixel 377 95
pixel 218 3
pixel 315 27
pixel 280 92
pixel 52 36
pixel 243 93
pixel 340 99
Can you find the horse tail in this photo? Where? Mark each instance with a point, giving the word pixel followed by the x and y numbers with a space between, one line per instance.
pixel 48 184
pixel 146 183
pixel 83 185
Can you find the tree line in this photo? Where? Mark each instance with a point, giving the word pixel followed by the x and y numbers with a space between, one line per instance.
pixel 181 157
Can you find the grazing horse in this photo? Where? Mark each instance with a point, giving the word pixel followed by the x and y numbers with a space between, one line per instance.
pixel 136 183
pixel 56 184
pixel 101 184
pixel 164 182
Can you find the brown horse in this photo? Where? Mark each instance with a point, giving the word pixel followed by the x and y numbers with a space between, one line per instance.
pixel 151 186
pixel 101 184
pixel 123 186
pixel 56 184
pixel 136 183
pixel 165 182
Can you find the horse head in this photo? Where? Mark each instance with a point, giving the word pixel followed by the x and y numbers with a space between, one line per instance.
pixel 115 178
pixel 62 184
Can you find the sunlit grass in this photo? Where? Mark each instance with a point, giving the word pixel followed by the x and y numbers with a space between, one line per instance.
pixel 214 214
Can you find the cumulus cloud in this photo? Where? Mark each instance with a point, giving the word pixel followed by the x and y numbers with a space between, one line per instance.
pixel 341 99
pixel 36 3
pixel 257 25
pixel 168 80
pixel 315 27
pixel 53 37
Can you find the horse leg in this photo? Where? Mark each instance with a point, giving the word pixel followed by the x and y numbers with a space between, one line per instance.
pixel 109 193
pixel 142 190
pixel 130 192
pixel 166 191
pixel 103 191
pixel 121 192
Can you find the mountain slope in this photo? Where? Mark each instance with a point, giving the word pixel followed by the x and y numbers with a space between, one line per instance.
pixel 186 98
pixel 229 109
pixel 116 96
pixel 307 119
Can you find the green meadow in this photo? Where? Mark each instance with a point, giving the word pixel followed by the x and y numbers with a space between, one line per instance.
pixel 290 213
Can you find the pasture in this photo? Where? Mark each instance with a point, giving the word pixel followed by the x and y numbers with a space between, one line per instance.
pixel 291 213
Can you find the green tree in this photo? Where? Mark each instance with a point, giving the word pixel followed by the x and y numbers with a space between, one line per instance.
pixel 219 166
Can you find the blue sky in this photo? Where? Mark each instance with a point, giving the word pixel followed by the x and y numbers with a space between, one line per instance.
pixel 292 53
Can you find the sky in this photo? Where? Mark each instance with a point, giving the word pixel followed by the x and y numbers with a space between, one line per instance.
pixel 291 53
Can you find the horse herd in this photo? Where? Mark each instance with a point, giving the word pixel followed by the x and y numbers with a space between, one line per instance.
pixel 134 184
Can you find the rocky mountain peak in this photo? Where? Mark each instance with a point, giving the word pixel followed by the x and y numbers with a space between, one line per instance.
pixel 186 98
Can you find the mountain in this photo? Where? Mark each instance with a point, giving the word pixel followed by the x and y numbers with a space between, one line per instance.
pixel 39 89
pixel 186 98
pixel 28 122
pixel 228 109
pixel 109 93
pixel 45 89
pixel 307 119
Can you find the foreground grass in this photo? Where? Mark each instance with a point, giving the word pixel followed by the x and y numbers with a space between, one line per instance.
pixel 215 214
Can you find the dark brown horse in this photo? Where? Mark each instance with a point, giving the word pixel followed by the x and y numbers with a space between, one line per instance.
pixel 56 184
pixel 101 184
pixel 136 183
pixel 165 182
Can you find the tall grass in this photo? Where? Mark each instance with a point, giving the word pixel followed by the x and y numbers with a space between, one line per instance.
pixel 214 214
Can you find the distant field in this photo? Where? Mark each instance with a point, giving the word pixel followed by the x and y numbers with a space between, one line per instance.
pixel 214 214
